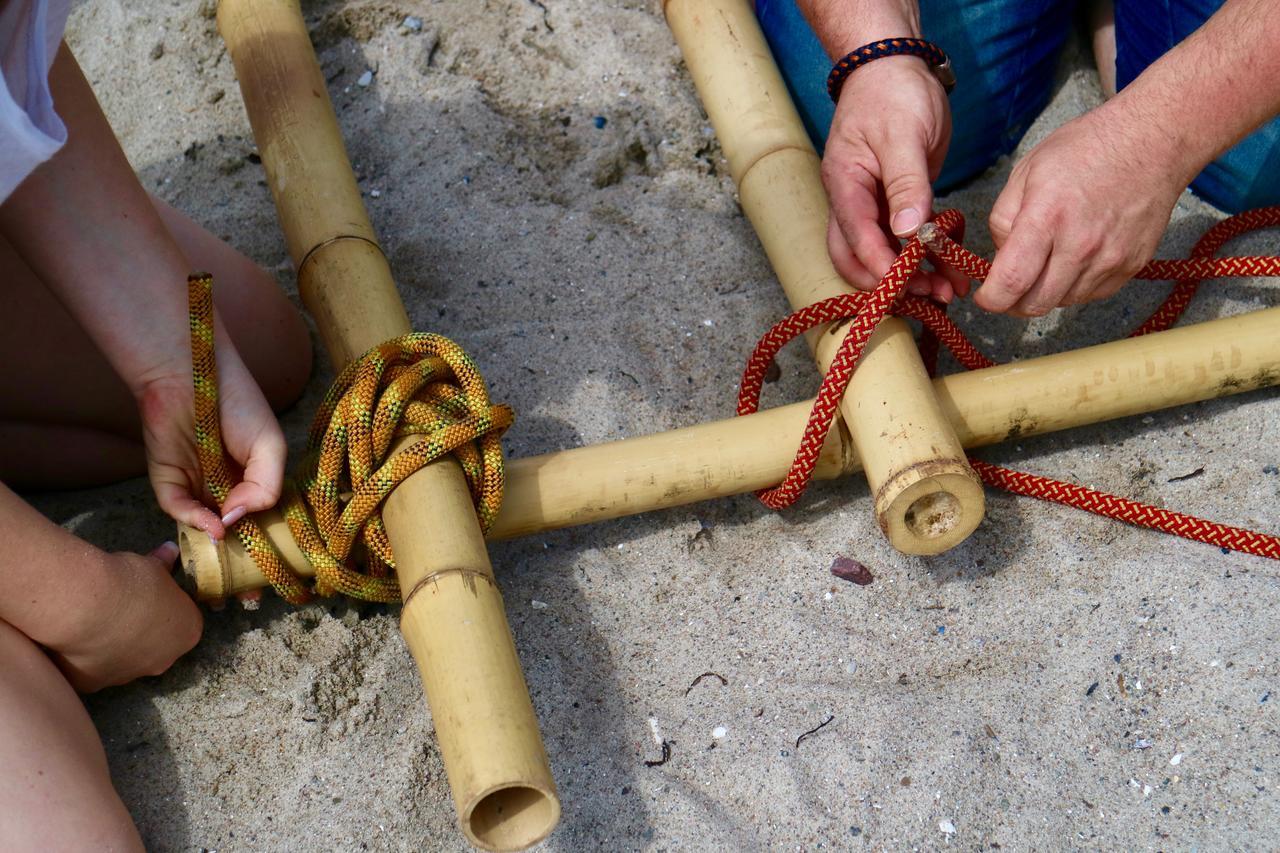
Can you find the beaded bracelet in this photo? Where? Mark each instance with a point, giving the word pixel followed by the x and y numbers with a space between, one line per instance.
pixel 939 62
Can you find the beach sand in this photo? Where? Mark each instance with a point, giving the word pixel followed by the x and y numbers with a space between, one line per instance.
pixel 552 197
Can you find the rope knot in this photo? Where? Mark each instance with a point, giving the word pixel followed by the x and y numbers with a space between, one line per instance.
pixel 939 240
pixel 402 405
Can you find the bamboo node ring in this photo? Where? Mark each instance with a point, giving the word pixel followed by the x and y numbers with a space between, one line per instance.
pixel 337 239
pixel 470 577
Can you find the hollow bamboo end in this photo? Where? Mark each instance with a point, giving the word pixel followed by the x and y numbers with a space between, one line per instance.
pixel 511 817
pixel 928 512
pixel 205 565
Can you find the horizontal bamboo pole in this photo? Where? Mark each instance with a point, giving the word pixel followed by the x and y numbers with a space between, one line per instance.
pixel 1006 402
pixel 453 619
pixel 927 499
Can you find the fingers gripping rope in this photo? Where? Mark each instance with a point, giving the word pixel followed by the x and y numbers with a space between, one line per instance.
pixel 939 241
pixel 420 385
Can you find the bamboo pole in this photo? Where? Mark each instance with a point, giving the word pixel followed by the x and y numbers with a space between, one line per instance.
pixel 927 498
pixel 1010 401
pixel 453 619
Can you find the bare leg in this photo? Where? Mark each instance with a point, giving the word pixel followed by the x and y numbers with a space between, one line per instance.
pixel 52 375
pixel 1102 22
pixel 55 787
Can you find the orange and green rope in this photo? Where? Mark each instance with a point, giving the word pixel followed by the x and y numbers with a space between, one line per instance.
pixel 417 385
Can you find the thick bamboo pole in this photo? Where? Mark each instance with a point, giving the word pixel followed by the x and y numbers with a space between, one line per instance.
pixel 927 498
pixel 1025 398
pixel 453 619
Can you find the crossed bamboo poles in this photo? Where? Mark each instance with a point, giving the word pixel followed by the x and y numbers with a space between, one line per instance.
pixel 906 431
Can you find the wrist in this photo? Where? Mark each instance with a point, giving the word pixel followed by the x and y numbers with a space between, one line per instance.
pixel 1152 139
pixel 75 604
pixel 845 26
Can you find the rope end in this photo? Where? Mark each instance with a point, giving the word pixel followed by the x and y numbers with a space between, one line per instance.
pixel 931 236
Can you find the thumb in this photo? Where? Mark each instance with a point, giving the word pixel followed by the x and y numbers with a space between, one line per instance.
pixel 165 553
pixel 1006 208
pixel 905 171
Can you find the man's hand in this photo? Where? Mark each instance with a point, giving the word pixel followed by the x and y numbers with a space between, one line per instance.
pixel 887 142
pixel 1081 213
pixel 139 624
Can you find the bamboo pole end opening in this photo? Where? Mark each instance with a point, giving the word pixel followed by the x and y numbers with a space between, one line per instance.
pixel 931 512
pixel 205 564
pixel 511 817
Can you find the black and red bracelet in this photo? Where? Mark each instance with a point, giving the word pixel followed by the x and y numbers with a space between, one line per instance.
pixel 938 61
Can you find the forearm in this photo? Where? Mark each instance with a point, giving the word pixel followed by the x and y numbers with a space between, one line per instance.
pixel 46 573
pixel 85 225
pixel 1211 90
pixel 842 25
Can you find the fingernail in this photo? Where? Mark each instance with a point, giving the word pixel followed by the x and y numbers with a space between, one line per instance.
pixel 906 221
pixel 233 516
pixel 166 553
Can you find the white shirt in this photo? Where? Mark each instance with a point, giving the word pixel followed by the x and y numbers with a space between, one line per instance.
pixel 30 130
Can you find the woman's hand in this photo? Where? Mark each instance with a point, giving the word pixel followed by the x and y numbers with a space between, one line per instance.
pixel 136 622
pixel 1081 213
pixel 888 138
pixel 250 432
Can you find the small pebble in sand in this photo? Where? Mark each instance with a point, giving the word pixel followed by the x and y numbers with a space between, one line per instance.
pixel 215 96
pixel 375 193
pixel 538 605
pixel 158 50
pixel 365 79
pixel 947 827
pixel 1142 743
pixel 1270 469
pixel 600 122
pixel 1176 760
pixel 719 732
pixel 411 24
pixel 851 570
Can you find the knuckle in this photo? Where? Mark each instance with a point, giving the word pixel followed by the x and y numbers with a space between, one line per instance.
pixel 1014 281
pixel 1112 257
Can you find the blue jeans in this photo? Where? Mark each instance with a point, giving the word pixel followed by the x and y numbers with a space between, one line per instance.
pixel 1004 53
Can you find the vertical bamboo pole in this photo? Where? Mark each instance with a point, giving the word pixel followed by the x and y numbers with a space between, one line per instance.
pixel 927 498
pixel 453 619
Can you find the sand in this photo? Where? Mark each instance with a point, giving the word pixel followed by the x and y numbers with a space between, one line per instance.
pixel 552 197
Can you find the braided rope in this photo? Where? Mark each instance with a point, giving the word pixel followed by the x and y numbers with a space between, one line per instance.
pixel 415 385
pixel 940 242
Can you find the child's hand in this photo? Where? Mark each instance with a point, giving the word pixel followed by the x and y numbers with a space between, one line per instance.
pixel 250 431
pixel 140 623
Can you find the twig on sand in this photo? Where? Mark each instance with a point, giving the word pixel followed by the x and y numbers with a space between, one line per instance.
pixel 666 756
pixel 815 729
pixel 723 681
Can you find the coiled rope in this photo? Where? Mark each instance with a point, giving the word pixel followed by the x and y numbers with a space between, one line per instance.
pixel 869 308
pixel 418 384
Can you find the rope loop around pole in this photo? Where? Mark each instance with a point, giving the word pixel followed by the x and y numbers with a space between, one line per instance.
pixel 939 241
pixel 419 386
